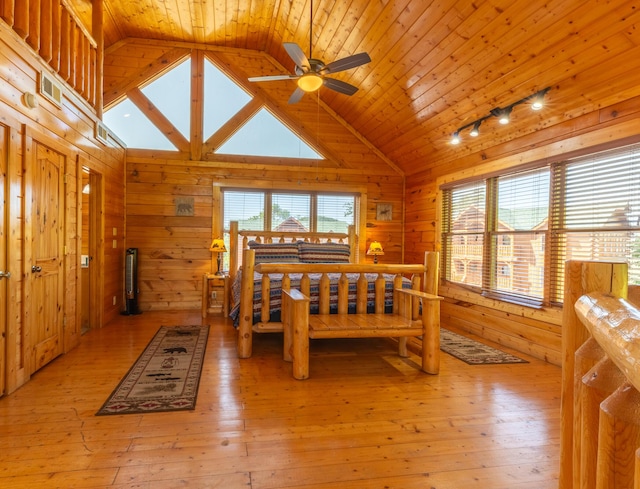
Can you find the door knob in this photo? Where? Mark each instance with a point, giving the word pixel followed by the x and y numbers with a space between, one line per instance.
pixel 35 269
pixel 5 274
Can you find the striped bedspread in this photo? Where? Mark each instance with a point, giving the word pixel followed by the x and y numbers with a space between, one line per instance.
pixel 276 293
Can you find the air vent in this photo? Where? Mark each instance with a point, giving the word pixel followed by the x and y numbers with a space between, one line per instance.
pixel 102 133
pixel 50 89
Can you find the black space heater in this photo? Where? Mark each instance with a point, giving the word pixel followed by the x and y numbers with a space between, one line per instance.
pixel 131 290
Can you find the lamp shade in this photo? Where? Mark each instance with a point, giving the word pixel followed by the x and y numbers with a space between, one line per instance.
pixel 217 246
pixel 375 248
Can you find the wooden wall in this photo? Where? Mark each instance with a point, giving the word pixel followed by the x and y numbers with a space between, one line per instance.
pixel 534 331
pixel 174 251
pixel 69 131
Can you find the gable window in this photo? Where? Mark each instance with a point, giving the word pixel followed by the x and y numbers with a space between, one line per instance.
pixel 232 121
pixel 508 236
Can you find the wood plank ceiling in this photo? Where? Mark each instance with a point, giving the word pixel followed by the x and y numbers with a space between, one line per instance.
pixel 436 65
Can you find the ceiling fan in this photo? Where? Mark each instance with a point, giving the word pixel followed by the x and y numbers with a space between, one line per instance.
pixel 310 73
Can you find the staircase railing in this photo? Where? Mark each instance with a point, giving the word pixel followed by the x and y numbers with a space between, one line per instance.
pixel 54 31
pixel 600 446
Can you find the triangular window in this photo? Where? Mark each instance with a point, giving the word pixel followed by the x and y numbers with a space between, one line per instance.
pixel 133 127
pixel 264 135
pixel 170 94
pixel 222 99
pixel 261 135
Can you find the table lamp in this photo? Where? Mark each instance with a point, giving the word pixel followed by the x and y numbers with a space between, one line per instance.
pixel 218 247
pixel 375 249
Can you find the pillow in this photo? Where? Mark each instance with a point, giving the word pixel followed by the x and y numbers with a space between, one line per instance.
pixel 275 252
pixel 324 252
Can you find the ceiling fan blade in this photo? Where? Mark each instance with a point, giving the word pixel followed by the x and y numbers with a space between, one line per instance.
pixel 347 63
pixel 272 78
pixel 296 95
pixel 297 55
pixel 340 86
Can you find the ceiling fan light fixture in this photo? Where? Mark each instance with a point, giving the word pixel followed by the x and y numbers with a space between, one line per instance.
pixel 310 82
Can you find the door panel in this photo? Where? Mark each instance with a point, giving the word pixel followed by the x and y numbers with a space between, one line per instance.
pixel 3 255
pixel 47 284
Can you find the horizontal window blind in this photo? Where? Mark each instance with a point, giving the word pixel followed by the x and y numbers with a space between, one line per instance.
pixel 586 208
pixel 596 214
pixel 518 236
pixel 291 212
pixel 463 225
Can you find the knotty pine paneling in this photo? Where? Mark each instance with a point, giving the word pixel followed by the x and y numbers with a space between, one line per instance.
pixel 70 130
pixel 174 250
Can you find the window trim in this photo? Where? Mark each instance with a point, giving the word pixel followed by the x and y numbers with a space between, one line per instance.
pixel 360 191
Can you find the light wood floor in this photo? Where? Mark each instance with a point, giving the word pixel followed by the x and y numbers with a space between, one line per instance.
pixel 365 419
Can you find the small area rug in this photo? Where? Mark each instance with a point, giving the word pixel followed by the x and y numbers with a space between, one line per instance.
pixel 165 377
pixel 473 352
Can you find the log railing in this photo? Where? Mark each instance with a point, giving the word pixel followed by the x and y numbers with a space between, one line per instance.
pixel 55 33
pixel 601 379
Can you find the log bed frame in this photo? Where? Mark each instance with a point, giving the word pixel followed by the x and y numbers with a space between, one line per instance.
pixel 426 273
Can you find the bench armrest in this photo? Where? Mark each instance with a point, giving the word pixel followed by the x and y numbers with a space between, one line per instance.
pixel 422 295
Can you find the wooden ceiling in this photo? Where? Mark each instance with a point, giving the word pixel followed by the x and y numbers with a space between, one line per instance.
pixel 436 65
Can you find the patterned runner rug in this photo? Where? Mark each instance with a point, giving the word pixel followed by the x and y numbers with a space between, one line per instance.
pixel 165 377
pixel 473 352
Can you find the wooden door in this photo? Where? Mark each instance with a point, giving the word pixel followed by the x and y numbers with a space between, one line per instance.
pixel 46 298
pixel 3 256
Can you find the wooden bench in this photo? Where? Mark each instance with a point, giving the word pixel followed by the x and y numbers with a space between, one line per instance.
pixel 300 326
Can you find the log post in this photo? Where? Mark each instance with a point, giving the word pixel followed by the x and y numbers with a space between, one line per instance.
pixel 245 326
pixel 431 336
pixel 618 439
pixel 581 277
pixel 636 484
pixel 298 327
pixel 597 385
pixel 586 357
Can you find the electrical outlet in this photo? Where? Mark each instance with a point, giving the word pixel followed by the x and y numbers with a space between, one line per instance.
pixel 214 294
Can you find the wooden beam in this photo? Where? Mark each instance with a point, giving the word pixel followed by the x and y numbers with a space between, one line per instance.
pixel 158 119
pixel 197 104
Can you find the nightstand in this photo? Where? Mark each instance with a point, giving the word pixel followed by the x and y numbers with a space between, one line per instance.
pixel 215 294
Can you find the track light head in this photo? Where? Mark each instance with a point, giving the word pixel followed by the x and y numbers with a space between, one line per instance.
pixel 537 99
pixel 503 115
pixel 475 131
pixel 455 139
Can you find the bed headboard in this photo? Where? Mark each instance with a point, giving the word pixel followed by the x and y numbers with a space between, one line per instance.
pixel 239 239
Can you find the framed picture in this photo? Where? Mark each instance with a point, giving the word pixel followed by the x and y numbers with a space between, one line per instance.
pixel 184 206
pixel 384 211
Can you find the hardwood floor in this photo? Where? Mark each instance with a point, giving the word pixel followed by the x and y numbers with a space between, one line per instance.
pixel 365 419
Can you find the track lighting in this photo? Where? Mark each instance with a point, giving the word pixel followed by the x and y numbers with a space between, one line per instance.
pixel 503 114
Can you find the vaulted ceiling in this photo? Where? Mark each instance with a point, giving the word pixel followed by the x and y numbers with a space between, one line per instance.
pixel 436 65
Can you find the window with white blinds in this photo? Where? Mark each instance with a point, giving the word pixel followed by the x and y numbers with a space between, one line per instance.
pixel 463 226
pixel 518 236
pixel 596 211
pixel 276 210
pixel 510 235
